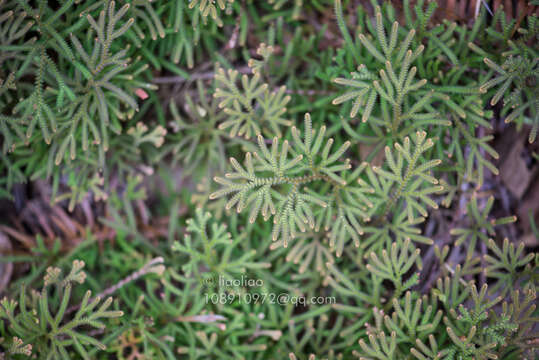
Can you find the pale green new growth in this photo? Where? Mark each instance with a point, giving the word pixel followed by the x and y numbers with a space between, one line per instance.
pixel 253 109
pixel 204 239
pixel 209 7
pixel 274 180
pixel 278 184
pixel 393 83
pixel 409 177
pixel 393 265
pixel 380 347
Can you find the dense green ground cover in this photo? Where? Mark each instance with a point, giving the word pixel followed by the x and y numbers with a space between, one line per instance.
pixel 240 179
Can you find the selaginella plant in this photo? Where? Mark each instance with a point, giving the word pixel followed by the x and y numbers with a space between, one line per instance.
pixel 273 182
pixel 70 82
pixel 332 147
pixel 244 119
pixel 43 326
pixel 515 79
pixel 389 78
pixel 307 186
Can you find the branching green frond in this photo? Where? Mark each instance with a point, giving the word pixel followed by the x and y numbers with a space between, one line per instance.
pixel 520 313
pixel 422 17
pixel 517 81
pixel 412 321
pixel 7 84
pixel 252 109
pixel 410 176
pixel 480 228
pixel 14 26
pixel 17 347
pixel 204 241
pixel 363 93
pixel 144 13
pixel 335 220
pixel 97 91
pixel 350 206
pixel 399 228
pixel 422 351
pixel 141 135
pixel 390 81
pixel 265 52
pixel 273 180
pixel 395 263
pixel 310 251
pixel 348 287
pixel 388 48
pixel 210 7
pixel 452 290
pixel 470 116
pixel 380 347
pixel 182 34
pixel 505 265
pixel 195 141
pixel 468 335
pixel 54 332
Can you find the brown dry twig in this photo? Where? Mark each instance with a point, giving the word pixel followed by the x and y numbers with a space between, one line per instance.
pixel 153 266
